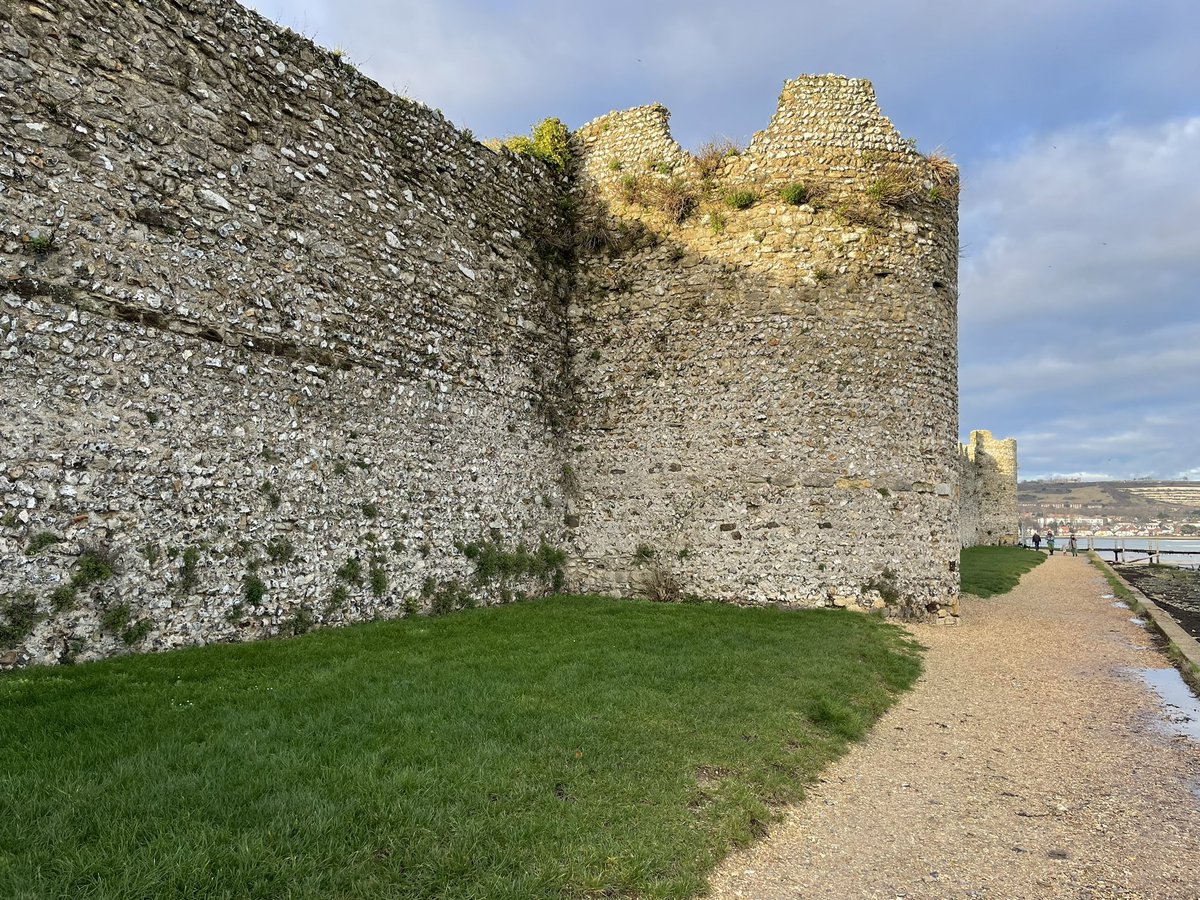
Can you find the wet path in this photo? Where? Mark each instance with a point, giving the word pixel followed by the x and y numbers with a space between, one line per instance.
pixel 1030 761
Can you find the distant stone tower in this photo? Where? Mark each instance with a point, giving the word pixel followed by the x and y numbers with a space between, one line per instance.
pixel 988 493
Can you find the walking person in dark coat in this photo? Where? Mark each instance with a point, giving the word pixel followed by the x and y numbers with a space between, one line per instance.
pixel 1037 541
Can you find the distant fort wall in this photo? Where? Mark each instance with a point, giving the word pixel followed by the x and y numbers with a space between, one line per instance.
pixel 280 349
pixel 988 490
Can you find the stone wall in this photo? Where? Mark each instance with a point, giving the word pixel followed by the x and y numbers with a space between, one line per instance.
pixel 988 492
pixel 278 347
pixel 767 395
pixel 260 321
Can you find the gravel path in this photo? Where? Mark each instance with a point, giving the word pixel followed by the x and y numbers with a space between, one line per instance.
pixel 1024 764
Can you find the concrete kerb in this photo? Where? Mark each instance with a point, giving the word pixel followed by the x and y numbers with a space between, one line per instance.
pixel 1188 646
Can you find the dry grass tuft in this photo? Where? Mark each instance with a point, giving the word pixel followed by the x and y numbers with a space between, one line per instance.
pixel 673 198
pixel 944 175
pixel 711 156
pixel 661 586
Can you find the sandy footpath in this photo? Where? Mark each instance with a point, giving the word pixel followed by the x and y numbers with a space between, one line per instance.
pixel 1025 763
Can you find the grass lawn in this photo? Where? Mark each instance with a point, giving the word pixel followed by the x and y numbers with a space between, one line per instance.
pixel 569 747
pixel 987 571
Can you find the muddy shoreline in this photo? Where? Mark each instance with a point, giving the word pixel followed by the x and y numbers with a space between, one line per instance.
pixel 1176 590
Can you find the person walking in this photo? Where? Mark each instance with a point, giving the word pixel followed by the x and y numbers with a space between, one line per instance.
pixel 1073 544
pixel 1050 542
pixel 1037 541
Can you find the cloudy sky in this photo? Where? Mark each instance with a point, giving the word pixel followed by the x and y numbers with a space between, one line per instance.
pixel 1076 124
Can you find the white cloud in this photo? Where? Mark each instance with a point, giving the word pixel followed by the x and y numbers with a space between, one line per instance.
pixel 1086 220
pixel 1078 321
pixel 943 68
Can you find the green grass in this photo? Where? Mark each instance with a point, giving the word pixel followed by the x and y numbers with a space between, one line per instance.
pixel 1120 591
pixel 563 748
pixel 988 571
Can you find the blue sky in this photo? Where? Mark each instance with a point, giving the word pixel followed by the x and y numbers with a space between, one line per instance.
pixel 1075 123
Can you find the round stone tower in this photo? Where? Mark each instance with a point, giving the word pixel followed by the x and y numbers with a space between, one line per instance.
pixel 764 348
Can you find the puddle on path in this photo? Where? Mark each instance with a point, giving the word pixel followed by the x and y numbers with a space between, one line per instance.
pixel 1180 710
pixel 1119 605
pixel 1137 620
pixel 1108 597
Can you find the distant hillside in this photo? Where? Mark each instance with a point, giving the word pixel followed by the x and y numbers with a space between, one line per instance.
pixel 1131 500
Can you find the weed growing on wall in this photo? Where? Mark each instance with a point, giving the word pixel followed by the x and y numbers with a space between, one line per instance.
pixel 889 191
pixel 350 571
pixel 136 633
pixel 18 617
pixel 591 228
pixel 446 598
pixel 631 188
pixel 301 622
pixel 41 541
pixel 944 175
pixel 673 198
pixel 885 584
pixel 280 550
pixel 378 576
pixel 710 157
pixel 741 199
pixel 93 566
pixel 495 563
pixel 795 193
pixel 115 618
pixel 187 571
pixel 268 490
pixel 660 586
pixel 254 589
pixel 550 142
pixel 41 244
pixel 337 599
pixel 62 598
pixel 72 647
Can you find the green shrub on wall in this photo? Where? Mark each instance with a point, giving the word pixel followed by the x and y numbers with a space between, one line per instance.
pixel 550 142
pixel 18 616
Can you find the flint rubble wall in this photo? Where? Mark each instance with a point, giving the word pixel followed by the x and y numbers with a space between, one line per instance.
pixel 263 321
pixel 279 305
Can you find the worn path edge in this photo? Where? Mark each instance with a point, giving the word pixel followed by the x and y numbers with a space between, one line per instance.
pixel 1027 762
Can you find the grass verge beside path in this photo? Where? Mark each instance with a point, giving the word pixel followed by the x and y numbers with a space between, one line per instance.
pixel 1120 591
pixel 562 748
pixel 987 571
